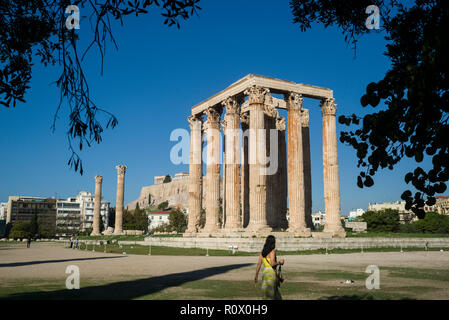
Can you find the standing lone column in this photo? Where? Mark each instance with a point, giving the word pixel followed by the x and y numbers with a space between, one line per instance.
pixel 97 206
pixel 212 126
pixel 232 165
pixel 195 175
pixel 330 170
pixel 118 229
pixel 257 169
pixel 296 197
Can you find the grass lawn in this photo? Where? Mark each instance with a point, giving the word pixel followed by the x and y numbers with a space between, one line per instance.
pixel 114 237
pixel 396 235
pixel 159 250
pixel 311 285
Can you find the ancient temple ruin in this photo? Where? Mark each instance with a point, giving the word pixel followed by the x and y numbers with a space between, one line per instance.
pixel 254 196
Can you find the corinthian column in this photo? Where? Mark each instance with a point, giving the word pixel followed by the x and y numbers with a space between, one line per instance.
pixel 257 168
pixel 118 229
pixel 244 118
pixel 212 126
pixel 282 176
pixel 330 170
pixel 195 175
pixel 97 206
pixel 307 169
pixel 232 165
pixel 297 223
pixel 271 114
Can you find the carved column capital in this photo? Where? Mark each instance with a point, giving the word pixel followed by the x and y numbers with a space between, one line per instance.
pixel 121 170
pixel 98 179
pixel 193 120
pixel 231 105
pixel 305 117
pixel 280 124
pixel 256 94
pixel 293 100
pixel 213 118
pixel 328 107
pixel 244 118
pixel 212 115
pixel 271 111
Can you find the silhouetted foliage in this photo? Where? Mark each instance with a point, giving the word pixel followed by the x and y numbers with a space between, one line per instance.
pixel 35 32
pixel 413 121
pixel 167 179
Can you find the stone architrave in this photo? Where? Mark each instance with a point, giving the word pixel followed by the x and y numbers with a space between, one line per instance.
pixel 257 169
pixel 118 228
pixel 330 170
pixel 97 206
pixel 212 205
pixel 195 175
pixel 297 224
pixel 307 168
pixel 231 169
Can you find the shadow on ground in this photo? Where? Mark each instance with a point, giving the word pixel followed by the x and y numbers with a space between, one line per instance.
pixel 356 297
pixel 28 263
pixel 127 289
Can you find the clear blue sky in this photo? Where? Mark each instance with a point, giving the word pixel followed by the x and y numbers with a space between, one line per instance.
pixel 159 73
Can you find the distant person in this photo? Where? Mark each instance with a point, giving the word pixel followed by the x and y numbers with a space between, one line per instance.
pixel 76 243
pixel 71 241
pixel 269 277
pixel 29 241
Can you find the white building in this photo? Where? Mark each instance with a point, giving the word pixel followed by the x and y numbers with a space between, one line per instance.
pixel 398 205
pixel 156 219
pixel 68 215
pixel 318 218
pixel 356 213
pixel 86 201
pixel 3 210
pixel 77 213
pixel 405 216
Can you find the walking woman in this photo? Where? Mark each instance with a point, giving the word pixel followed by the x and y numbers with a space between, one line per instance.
pixel 267 258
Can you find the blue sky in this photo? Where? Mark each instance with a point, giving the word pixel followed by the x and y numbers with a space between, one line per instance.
pixel 159 73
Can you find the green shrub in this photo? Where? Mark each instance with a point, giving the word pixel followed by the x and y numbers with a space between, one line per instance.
pixel 382 221
pixel 177 221
pixel 162 228
pixel 432 223
pixel 163 205
pixel 20 230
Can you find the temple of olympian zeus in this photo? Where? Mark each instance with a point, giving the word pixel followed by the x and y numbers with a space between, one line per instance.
pixel 254 200
pixel 118 229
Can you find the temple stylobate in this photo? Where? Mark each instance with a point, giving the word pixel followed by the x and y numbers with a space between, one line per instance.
pixel 261 171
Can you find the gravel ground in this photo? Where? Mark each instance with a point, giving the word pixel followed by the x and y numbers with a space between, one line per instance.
pixel 49 261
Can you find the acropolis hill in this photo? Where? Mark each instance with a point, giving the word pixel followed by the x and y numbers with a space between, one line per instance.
pixel 175 192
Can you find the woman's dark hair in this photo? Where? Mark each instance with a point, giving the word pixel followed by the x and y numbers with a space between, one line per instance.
pixel 269 246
